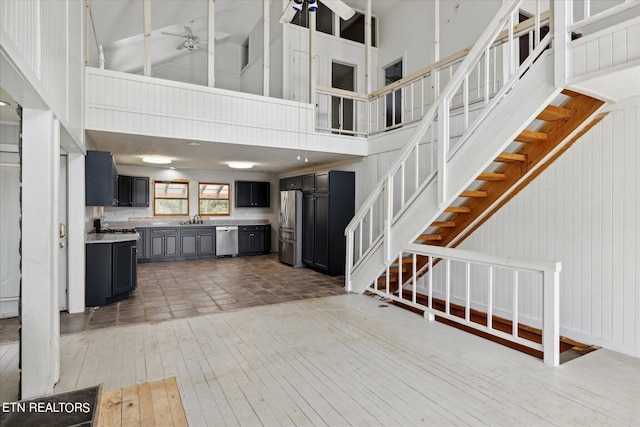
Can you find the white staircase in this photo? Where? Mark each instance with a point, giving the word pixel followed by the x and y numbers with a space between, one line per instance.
pixel 435 165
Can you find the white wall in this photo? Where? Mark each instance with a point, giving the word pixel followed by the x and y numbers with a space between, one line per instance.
pixel 192 68
pixel 43 40
pixel 583 211
pixel 194 177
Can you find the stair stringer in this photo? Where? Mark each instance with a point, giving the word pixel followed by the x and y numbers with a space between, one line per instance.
pixel 494 133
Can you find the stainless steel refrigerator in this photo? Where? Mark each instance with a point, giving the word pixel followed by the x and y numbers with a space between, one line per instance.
pixel 290 228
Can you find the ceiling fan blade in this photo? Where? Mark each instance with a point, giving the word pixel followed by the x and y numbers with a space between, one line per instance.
pixel 339 8
pixel 189 32
pixel 289 13
pixel 172 34
pixel 180 46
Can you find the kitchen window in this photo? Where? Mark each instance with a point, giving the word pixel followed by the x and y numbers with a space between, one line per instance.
pixel 213 199
pixel 170 197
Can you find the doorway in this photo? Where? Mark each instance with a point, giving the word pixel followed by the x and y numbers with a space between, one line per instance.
pixel 62 236
pixel 10 226
pixel 343 76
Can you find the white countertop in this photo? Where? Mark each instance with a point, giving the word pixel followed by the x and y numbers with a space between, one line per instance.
pixel 93 237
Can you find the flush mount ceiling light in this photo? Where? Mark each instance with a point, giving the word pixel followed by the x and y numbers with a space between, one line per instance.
pixel 193 143
pixel 4 103
pixel 156 160
pixel 241 165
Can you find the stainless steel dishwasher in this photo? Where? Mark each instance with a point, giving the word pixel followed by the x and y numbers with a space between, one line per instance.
pixel 227 241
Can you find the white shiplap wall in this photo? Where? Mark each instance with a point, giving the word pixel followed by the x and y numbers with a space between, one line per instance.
pixel 127 103
pixel 612 48
pixel 44 41
pixel 583 211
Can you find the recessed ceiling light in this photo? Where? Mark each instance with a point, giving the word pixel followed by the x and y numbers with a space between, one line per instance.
pixel 157 160
pixel 241 165
pixel 172 168
pixel 4 103
pixel 193 143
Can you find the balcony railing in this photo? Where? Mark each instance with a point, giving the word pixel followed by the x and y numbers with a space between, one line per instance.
pixel 413 95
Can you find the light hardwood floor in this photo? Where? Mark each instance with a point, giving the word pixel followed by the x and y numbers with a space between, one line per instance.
pixel 344 360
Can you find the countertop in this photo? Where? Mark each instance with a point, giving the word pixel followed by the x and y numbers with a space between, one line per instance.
pixel 94 237
pixel 173 223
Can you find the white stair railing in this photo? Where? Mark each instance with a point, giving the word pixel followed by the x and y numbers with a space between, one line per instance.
pixel 433 145
pixel 464 281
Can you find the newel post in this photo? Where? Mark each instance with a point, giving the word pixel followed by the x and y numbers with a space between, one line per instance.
pixel 551 316
pixel 442 149
pixel 388 216
pixel 562 18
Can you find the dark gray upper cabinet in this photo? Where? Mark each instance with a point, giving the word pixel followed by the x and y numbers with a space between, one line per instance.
pixel 291 183
pixel 251 194
pixel 101 179
pixel 315 182
pixel 133 191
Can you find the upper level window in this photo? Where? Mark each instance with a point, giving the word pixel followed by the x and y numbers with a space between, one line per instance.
pixel 170 198
pixel 213 199
pixel 324 18
pixel 353 29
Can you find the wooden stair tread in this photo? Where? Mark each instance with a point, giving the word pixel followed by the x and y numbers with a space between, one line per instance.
pixel 429 237
pixel 475 193
pixel 458 209
pixel 552 113
pixel 447 224
pixel 491 176
pixel 511 157
pixel 531 136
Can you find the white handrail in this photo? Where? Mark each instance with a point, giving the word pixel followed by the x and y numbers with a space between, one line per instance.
pixel 426 280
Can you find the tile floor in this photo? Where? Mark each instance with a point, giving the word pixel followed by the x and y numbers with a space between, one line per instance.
pixel 173 290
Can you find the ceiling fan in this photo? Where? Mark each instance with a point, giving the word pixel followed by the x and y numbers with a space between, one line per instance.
pixel 337 6
pixel 191 40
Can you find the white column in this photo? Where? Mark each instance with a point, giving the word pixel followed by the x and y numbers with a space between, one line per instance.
pixel 436 31
pixel 265 47
pixel 40 317
pixel 313 60
pixel 367 48
pixel 211 43
pixel 75 232
pixel 146 11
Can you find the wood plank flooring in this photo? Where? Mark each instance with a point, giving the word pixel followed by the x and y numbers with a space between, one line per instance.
pixel 347 360
pixel 156 403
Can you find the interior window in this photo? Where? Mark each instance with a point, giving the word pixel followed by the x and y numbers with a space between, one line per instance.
pixel 170 197
pixel 324 18
pixel 353 29
pixel 213 199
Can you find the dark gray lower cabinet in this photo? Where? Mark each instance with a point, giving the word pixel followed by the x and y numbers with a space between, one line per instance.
pixel 111 272
pixel 198 242
pixel 164 243
pixel 254 239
